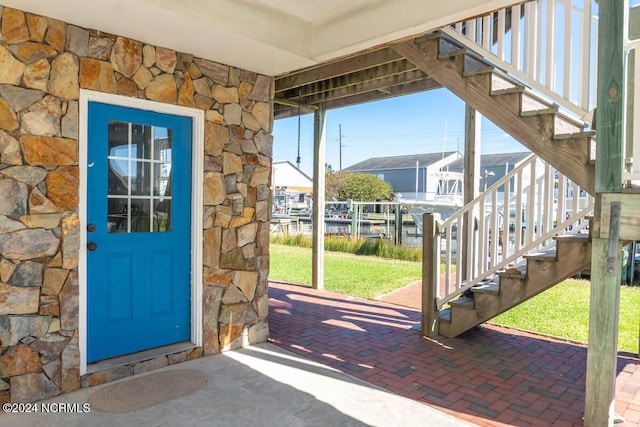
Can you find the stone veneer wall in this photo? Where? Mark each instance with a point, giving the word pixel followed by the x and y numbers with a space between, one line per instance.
pixel 43 64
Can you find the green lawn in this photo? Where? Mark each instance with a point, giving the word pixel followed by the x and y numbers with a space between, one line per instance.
pixel 562 311
pixel 363 276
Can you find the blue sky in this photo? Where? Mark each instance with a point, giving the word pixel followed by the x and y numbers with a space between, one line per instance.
pixel 428 122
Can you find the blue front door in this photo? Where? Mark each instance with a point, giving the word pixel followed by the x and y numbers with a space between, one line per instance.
pixel 138 230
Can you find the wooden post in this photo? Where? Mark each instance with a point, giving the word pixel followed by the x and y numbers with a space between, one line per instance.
pixel 605 268
pixel 354 222
pixel 609 120
pixel 430 273
pixel 397 225
pixel 603 331
pixel 471 181
pixel 633 113
pixel 399 219
pixel 319 159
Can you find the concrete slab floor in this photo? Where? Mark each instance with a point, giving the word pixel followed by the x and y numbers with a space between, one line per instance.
pixel 257 386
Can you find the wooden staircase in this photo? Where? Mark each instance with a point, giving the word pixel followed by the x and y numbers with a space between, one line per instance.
pixel 536 123
pixel 531 120
pixel 510 288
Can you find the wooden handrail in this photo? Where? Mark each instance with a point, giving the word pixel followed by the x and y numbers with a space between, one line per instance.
pixel 524 40
pixel 537 203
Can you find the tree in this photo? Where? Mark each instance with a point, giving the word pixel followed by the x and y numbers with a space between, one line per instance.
pixel 328 169
pixel 333 184
pixel 356 186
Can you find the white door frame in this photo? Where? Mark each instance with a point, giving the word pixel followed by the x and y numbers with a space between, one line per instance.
pixel 197 163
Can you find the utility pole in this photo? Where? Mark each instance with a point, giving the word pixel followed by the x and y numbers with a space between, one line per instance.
pixel 298 159
pixel 340 142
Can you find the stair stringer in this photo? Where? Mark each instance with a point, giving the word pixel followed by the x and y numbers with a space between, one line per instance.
pixel 573 254
pixel 570 154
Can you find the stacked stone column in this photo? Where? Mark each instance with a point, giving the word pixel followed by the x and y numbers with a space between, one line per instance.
pixel 43 65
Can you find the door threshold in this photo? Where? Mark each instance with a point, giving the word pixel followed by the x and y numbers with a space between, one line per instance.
pixel 140 356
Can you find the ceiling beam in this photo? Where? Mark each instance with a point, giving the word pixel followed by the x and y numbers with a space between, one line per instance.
pixel 335 69
pixel 399 90
pixel 385 84
pixel 283 112
pixel 295 104
pixel 382 71
pixel 361 98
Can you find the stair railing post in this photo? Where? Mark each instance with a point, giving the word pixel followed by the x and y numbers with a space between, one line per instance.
pixel 430 273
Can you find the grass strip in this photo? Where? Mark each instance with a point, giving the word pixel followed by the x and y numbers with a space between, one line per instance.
pixel 363 276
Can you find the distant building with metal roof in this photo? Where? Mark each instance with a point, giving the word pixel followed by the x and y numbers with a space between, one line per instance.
pixel 492 166
pixel 411 176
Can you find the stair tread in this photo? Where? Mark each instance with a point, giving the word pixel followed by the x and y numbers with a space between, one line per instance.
pixel 444 315
pixel 539 111
pixel 582 134
pixel 542 256
pixel 506 77
pixel 501 84
pixel 463 302
pixel 452 53
pixel 512 89
pixel 519 271
pixel 580 237
pixel 572 120
pixel 565 125
pixel 449 48
pixel 473 66
pixel 533 104
pixel 486 288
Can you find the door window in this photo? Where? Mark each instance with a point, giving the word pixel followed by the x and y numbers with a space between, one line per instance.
pixel 139 178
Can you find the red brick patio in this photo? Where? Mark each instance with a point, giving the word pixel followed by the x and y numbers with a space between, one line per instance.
pixel 490 376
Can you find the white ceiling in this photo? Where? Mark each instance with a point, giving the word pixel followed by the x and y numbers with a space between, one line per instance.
pixel 270 37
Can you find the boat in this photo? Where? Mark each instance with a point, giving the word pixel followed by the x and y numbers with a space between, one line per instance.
pixel 447 199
